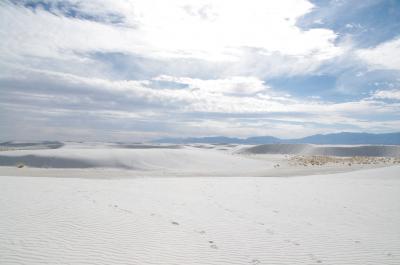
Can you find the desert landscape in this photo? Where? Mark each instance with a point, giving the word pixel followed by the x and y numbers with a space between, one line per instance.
pixel 199 132
pixel 113 203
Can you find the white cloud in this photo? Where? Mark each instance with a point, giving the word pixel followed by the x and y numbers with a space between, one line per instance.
pixel 383 56
pixel 217 96
pixel 239 85
pixel 64 72
pixel 227 25
pixel 393 94
pixel 211 30
pixel 129 107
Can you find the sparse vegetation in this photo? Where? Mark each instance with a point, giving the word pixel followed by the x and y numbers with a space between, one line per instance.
pixel 20 165
pixel 349 161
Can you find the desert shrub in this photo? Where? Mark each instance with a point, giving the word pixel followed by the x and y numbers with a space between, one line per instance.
pixel 20 165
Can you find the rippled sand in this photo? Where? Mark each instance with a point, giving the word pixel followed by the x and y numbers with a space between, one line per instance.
pixel 348 218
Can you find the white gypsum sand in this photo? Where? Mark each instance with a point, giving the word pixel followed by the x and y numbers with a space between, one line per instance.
pixel 127 160
pixel 347 218
pixel 195 204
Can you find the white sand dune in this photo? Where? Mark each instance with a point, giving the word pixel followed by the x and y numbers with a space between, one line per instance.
pixel 130 160
pixel 134 157
pixel 309 149
pixel 90 215
pixel 341 219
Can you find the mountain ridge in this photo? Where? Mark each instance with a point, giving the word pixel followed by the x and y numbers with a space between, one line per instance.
pixel 344 138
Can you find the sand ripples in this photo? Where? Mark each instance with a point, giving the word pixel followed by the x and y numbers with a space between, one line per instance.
pixel 304 220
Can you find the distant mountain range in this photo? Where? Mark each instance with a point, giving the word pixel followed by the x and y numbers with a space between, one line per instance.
pixel 333 138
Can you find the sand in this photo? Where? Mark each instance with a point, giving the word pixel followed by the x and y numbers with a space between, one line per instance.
pixel 347 218
pixel 325 150
pixel 140 160
pixel 196 205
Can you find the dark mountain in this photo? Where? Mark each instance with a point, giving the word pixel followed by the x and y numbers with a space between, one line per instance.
pixel 334 138
pixel 262 140
pixel 352 138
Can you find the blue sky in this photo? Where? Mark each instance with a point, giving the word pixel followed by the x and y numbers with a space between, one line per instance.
pixel 136 70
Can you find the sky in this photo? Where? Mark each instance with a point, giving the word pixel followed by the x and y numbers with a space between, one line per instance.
pixel 137 70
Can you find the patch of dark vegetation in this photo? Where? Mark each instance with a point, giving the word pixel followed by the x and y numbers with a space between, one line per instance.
pixel 30 145
pixel 20 165
pixel 43 162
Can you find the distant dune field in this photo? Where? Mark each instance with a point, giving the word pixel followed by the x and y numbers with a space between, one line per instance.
pixel 116 203
pixel 187 160
pixel 325 150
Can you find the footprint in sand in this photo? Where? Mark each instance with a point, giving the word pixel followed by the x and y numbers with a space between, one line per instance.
pixel 116 207
pixel 315 258
pixel 125 210
pixel 214 246
pixel 292 242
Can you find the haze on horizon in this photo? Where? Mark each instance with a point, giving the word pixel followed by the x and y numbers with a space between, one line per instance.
pixel 123 70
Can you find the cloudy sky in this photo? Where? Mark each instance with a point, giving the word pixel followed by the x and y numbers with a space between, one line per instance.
pixel 134 70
